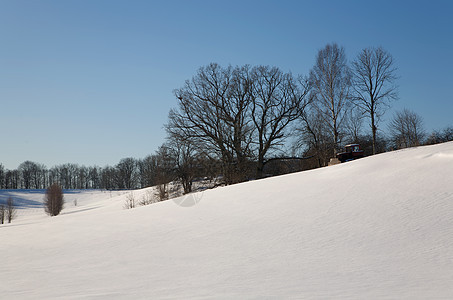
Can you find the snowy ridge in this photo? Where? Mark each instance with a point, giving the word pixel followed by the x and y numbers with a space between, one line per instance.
pixel 379 227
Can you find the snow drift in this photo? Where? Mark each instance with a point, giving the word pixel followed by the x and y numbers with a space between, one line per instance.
pixel 379 227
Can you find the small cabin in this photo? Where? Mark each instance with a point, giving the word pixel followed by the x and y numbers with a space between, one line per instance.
pixel 352 151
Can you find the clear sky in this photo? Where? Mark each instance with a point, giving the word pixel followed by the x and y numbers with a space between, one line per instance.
pixel 91 82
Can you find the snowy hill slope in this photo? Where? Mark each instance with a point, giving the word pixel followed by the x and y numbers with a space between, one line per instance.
pixel 379 227
pixel 29 202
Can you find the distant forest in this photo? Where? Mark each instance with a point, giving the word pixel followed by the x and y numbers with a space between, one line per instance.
pixel 248 122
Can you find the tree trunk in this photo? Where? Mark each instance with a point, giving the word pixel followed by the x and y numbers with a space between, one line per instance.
pixel 373 129
pixel 260 168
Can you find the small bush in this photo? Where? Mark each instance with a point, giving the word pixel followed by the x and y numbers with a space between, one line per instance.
pixel 162 192
pixel 53 200
pixel 10 210
pixel 148 198
pixel 130 201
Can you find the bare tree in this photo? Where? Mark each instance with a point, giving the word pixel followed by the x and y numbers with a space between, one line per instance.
pixel 277 101
pixel 447 134
pixel 2 213
pixel 353 125
pixel 406 129
pixel 313 135
pixel 2 177
pixel 374 76
pixel 66 175
pixel 130 201
pixel 93 177
pixel 164 171
pixel 27 170
pixel 127 173
pixel 108 177
pixel 82 178
pixel 237 115
pixel 147 170
pixel 185 160
pixel 213 110
pixel 10 210
pixel 38 176
pixel 53 200
pixel 12 179
pixel 148 198
pixel 330 80
pixel 438 136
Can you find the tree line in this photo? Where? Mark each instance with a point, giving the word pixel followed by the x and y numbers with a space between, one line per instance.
pixel 247 122
pixel 129 173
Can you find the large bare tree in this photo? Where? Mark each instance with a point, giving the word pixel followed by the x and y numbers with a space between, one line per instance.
pixel 330 80
pixel 374 76
pixel 237 115
pixel 213 111
pixel 277 100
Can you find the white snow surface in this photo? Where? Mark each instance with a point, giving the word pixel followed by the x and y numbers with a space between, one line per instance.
pixel 376 228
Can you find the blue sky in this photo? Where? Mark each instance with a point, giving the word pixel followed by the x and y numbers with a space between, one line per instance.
pixel 90 82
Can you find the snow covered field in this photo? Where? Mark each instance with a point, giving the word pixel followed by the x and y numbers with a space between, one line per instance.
pixel 376 228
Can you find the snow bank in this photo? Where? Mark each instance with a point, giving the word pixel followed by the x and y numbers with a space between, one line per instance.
pixel 379 227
